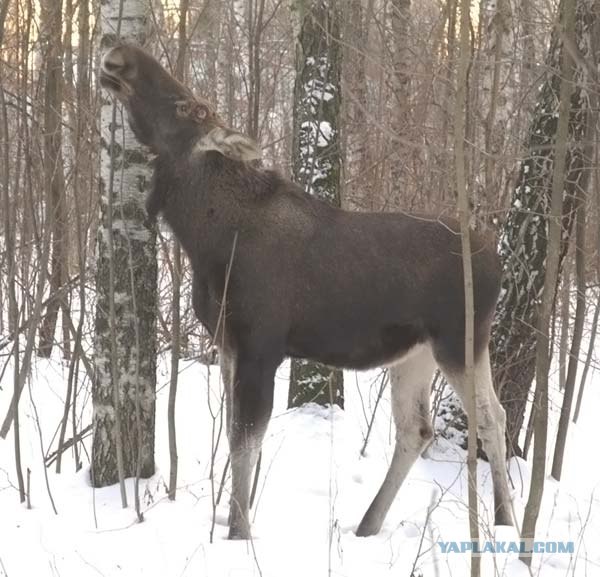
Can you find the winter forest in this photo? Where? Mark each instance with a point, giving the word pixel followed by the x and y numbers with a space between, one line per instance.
pixel 114 449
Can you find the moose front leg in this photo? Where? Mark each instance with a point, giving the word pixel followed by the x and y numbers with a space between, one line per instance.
pixel 251 405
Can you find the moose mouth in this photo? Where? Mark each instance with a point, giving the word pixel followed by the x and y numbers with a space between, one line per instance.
pixel 111 83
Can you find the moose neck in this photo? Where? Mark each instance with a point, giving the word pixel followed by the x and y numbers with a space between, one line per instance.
pixel 201 199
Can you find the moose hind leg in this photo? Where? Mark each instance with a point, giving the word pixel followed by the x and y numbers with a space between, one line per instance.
pixel 491 422
pixel 491 428
pixel 251 405
pixel 410 381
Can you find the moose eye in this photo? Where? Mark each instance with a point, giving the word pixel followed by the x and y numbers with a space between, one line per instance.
pixel 182 109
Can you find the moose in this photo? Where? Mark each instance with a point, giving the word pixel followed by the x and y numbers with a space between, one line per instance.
pixel 278 273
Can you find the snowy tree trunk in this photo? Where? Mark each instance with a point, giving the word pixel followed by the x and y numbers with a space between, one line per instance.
pixel 317 162
pixel 524 240
pixel 125 344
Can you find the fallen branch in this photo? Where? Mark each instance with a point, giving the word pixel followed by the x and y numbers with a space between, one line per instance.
pixel 51 458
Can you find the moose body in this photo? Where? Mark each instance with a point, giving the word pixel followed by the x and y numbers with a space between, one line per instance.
pixel 317 282
pixel 278 273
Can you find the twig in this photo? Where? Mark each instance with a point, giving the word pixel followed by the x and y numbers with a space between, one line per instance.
pixel 223 477
pixel 432 505
pixel 469 310
pixel 111 297
pixel 33 320
pixel 39 428
pixel 220 319
pixel 3 568
pixel 256 475
pixel 213 456
pixel 28 493
pixel 136 330
pixel 67 444
pixel 63 425
pixel 384 382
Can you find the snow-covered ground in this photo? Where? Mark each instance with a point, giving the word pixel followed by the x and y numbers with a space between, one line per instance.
pixel 314 487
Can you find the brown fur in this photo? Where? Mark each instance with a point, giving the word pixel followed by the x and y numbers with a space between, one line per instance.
pixel 308 280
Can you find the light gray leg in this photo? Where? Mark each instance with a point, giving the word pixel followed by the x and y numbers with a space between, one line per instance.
pixel 250 408
pixel 410 381
pixel 491 422
pixel 243 461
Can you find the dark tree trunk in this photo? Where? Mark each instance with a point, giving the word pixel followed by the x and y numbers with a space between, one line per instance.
pixel 51 16
pixel 317 162
pixel 399 169
pixel 358 176
pixel 524 240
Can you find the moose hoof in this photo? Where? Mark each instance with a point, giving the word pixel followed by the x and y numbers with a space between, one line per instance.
pixel 503 517
pixel 238 529
pixel 371 522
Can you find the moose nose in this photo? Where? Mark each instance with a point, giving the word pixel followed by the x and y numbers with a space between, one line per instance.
pixel 113 61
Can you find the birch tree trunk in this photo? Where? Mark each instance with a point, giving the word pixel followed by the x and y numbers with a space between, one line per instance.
pixel 316 152
pixel 125 344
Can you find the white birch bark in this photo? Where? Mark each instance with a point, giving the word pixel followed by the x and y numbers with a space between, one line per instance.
pixel 125 344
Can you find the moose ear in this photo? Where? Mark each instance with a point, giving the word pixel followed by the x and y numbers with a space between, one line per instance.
pixel 200 112
pixel 229 143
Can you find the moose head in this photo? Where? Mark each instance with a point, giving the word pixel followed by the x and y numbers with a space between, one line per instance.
pixel 164 114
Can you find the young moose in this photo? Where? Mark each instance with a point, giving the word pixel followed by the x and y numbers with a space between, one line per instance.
pixel 352 290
